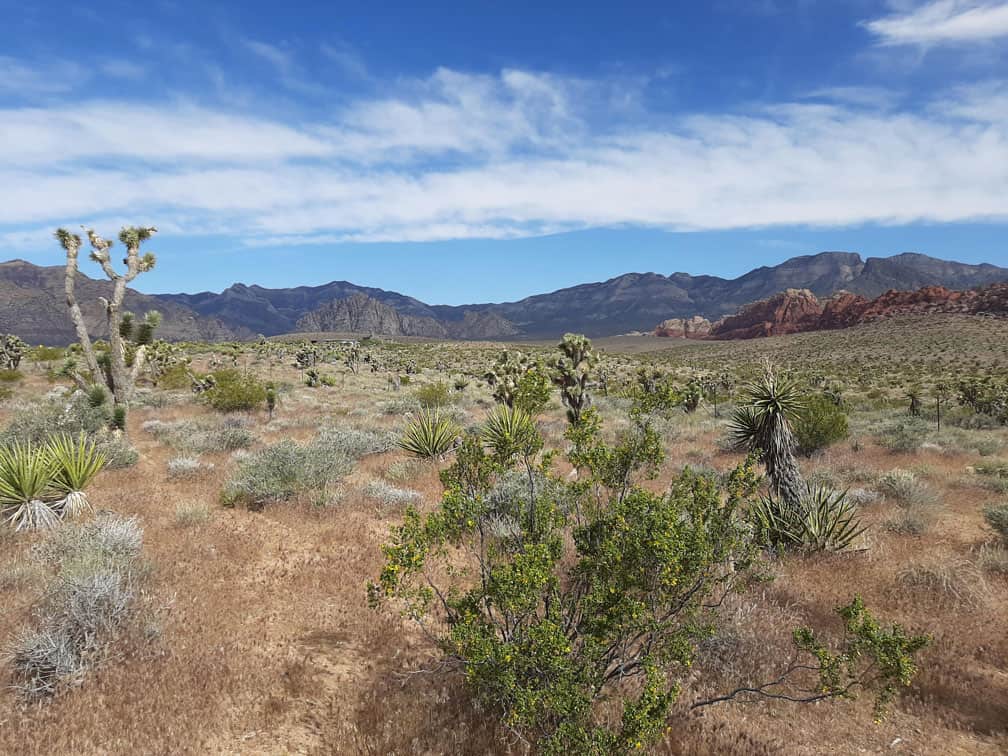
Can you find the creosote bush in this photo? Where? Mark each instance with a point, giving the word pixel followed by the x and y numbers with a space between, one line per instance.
pixel 548 599
pixel 821 423
pixel 234 390
pixel 996 516
pixel 906 435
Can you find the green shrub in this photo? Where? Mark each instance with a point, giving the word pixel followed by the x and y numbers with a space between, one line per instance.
pixel 10 376
pixel 434 395
pixel 595 600
pixel 175 378
pixel 821 423
pixel 235 391
pixel 996 515
pixel 97 395
pixel 46 354
pixel 905 436
pixel 282 471
pixel 533 392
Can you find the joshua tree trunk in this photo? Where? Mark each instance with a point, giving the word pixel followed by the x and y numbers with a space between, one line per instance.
pixel 71 243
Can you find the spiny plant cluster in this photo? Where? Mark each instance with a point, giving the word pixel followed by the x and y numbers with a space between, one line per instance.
pixel 41 484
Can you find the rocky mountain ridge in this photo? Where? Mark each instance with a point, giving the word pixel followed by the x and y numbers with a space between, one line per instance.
pixel 31 302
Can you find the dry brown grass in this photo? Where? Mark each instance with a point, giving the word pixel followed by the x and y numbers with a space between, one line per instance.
pixel 269 646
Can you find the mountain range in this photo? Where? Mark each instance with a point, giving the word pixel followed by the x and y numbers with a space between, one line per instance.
pixel 31 301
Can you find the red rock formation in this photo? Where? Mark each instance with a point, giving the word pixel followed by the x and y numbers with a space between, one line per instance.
pixel 798 310
pixel 788 312
pixel 679 328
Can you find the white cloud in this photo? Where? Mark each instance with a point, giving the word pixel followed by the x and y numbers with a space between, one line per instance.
pixel 518 154
pixel 938 22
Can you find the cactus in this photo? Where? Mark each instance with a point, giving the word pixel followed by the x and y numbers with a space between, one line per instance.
pixel 119 377
pixel 162 357
pixel 12 349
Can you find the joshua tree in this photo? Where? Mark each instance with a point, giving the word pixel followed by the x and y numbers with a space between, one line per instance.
pixel 12 349
pixel 915 401
pixel 942 393
pixel 506 374
pixel 762 424
pixel 572 370
pixel 352 358
pixel 120 378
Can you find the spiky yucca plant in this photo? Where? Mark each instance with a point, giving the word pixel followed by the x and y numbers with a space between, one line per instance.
pixel 76 463
pixel 26 491
pixel 510 431
pixel 430 435
pixel 762 423
pixel 823 520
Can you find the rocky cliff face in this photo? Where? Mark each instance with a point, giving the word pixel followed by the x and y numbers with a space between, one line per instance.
pixel 684 328
pixel 790 311
pixel 360 313
pixel 797 310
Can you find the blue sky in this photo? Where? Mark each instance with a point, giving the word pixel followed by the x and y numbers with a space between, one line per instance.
pixel 482 151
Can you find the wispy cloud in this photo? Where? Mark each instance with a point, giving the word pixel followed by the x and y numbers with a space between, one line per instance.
pixel 937 22
pixel 23 78
pixel 460 155
pixel 272 54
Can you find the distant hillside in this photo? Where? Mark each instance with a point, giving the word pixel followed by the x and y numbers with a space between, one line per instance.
pixel 32 301
pixel 33 306
pixel 631 302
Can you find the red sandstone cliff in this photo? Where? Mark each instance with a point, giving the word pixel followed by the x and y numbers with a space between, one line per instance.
pixel 796 310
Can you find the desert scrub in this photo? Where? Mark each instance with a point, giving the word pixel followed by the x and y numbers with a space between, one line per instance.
pixel 996 516
pixel 59 414
pixel 354 443
pixel 905 435
pixel 235 391
pixel 944 582
pixel 90 600
pixel 390 496
pixel 403 470
pixel 188 468
pixel 821 423
pixel 198 436
pixel 282 471
pixel 915 500
pixel 191 515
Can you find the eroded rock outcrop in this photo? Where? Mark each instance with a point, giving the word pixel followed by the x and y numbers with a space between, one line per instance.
pixel 684 328
pixel 797 310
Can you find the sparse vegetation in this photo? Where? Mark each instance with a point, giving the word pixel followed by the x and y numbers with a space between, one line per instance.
pixel 270 611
